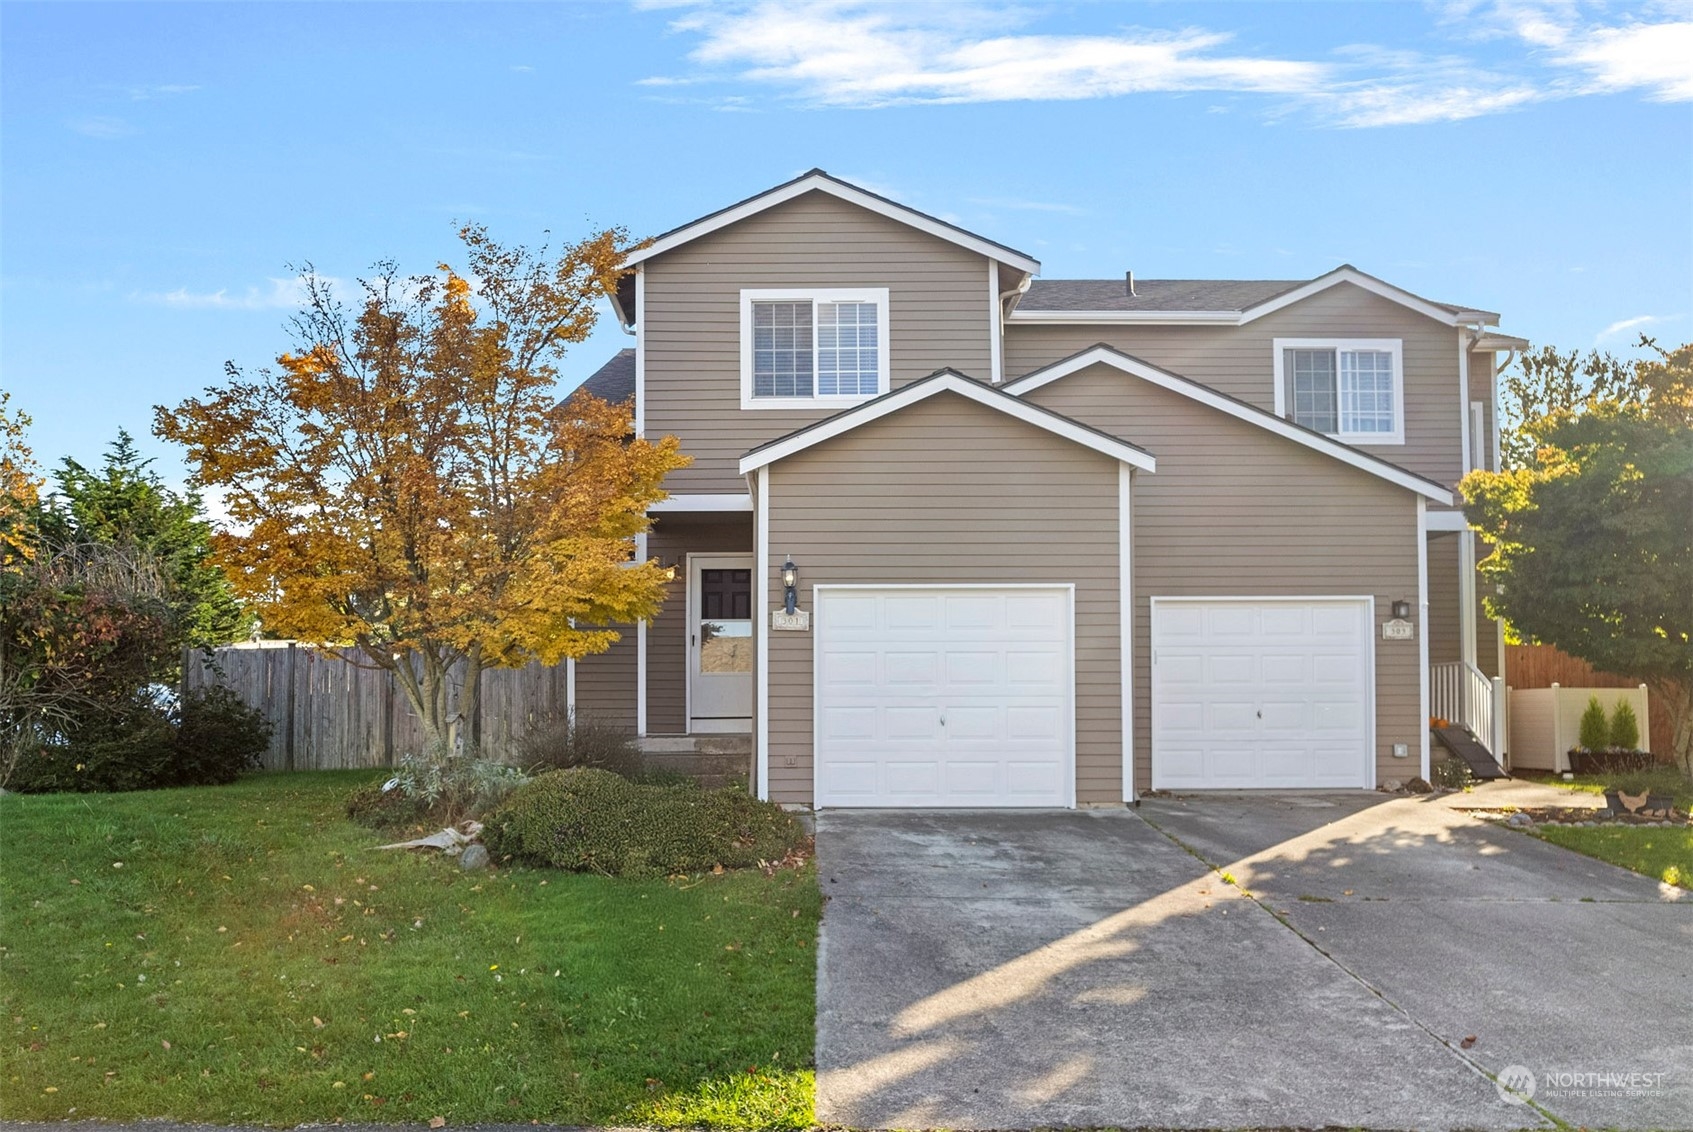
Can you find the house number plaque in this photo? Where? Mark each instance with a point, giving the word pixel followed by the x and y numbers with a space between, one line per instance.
pixel 797 621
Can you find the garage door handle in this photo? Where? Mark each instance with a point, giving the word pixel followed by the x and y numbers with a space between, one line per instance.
pixel 1260 715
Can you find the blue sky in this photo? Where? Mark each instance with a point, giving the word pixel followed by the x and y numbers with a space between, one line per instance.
pixel 162 165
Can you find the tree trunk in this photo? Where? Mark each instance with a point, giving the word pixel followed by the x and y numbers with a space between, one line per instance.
pixel 1677 698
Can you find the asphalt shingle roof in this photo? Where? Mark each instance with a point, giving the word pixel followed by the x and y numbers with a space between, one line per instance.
pixel 1153 294
pixel 614 381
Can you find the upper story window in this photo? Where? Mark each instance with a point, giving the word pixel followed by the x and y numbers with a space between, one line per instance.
pixel 1352 389
pixel 803 348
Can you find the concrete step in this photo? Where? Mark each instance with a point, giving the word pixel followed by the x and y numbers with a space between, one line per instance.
pixel 711 760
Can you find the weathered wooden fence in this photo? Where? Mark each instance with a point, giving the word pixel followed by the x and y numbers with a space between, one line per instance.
pixel 1541 666
pixel 328 711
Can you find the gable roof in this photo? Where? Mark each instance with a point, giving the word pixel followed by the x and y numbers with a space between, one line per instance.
pixel 939 382
pixel 614 381
pixel 817 180
pixel 1240 410
pixel 1211 302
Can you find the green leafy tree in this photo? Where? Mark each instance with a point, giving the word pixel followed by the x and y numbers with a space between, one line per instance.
pixel 1547 381
pixel 124 504
pixel 1592 534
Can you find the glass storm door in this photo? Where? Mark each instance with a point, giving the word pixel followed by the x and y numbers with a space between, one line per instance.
pixel 720 642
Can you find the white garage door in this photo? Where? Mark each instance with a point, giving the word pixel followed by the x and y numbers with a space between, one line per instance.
pixel 1262 693
pixel 944 696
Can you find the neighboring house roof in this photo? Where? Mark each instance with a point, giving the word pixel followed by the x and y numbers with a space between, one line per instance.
pixel 1241 410
pixel 818 181
pixel 1210 302
pixel 947 381
pixel 614 381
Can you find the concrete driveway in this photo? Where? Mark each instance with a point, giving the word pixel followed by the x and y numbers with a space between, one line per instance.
pixel 1020 969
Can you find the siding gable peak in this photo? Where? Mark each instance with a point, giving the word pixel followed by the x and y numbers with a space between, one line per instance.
pixel 816 180
pixel 947 381
pixel 1102 354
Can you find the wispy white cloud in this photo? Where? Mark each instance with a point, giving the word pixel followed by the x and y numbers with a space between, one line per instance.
pixel 147 93
pixel 522 68
pixel 276 294
pixel 859 55
pixel 1623 326
pixel 103 127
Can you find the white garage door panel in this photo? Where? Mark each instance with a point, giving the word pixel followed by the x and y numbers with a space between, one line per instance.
pixel 944 696
pixel 1261 693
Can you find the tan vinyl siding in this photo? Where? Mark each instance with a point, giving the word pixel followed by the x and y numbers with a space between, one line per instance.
pixel 1444 636
pixel 938 316
pixel 1234 510
pixel 948 491
pixel 605 682
pixel 1240 361
pixel 671 541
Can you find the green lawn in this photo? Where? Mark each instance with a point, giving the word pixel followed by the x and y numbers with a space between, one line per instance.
pixel 1663 854
pixel 241 953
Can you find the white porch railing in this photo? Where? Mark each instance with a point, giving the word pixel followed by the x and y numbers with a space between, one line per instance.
pixel 1464 694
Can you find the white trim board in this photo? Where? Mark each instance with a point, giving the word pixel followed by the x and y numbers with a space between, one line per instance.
pixel 1392 346
pixel 1176 383
pixel 947 382
pixel 1126 623
pixel 695 503
pixel 761 635
pixel 1423 690
pixel 819 181
pixel 1343 274
pixel 1446 521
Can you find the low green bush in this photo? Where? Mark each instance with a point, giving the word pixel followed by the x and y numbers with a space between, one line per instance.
pixel 1594 729
pixel 587 820
pixel 217 738
pixel 437 790
pixel 146 743
pixel 1625 727
pixel 1451 773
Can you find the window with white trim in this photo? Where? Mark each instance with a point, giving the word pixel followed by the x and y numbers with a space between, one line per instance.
pixel 810 348
pixel 1350 389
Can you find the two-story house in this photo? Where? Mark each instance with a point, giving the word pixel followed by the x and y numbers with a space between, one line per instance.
pixel 1047 542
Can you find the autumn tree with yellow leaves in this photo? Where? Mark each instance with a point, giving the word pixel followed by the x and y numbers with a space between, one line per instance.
pixel 404 480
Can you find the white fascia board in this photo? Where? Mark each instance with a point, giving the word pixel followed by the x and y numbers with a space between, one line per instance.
pixel 1128 318
pixel 1495 342
pixel 1164 379
pixel 689 503
pixel 1447 521
pixel 966 388
pixel 1368 283
pixel 851 195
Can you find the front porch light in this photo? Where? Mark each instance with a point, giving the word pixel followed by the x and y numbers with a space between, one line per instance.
pixel 790 584
pixel 1401 609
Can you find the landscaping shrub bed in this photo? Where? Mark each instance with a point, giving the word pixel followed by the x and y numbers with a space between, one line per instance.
pixel 148 743
pixel 589 820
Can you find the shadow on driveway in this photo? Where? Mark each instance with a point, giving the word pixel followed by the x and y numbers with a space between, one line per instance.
pixel 1020 969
